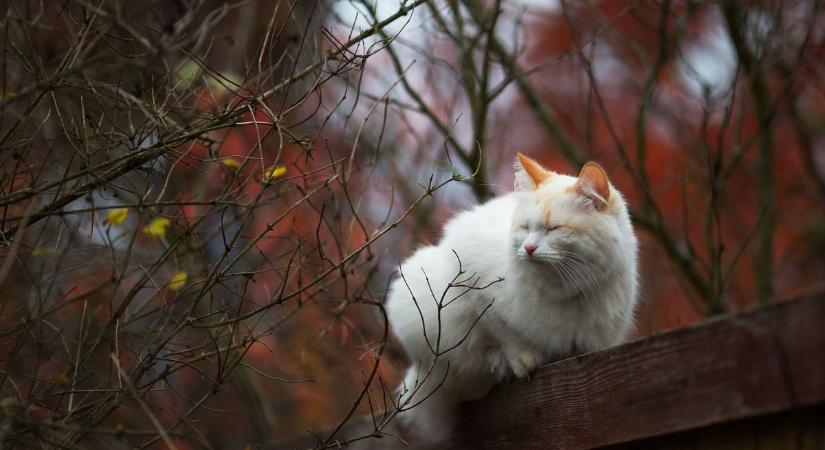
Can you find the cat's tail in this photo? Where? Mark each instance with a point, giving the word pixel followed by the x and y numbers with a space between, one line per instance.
pixel 430 408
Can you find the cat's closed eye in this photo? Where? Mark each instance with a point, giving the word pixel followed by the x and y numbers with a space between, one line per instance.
pixel 550 228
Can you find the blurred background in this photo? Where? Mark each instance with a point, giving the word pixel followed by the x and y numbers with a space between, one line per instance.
pixel 203 202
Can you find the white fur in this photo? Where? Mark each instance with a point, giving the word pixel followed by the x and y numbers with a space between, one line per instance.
pixel 575 294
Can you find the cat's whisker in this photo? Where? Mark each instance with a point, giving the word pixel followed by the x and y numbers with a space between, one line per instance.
pixel 588 278
pixel 585 282
pixel 577 257
pixel 564 284
pixel 573 264
pixel 579 266
pixel 583 285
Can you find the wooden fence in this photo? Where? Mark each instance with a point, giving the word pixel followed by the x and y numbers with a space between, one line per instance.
pixel 754 380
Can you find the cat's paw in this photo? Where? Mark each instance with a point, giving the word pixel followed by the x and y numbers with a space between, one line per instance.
pixel 524 362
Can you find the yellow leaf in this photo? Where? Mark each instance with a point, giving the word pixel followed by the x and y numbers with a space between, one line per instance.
pixel 185 73
pixel 178 280
pixel 116 216
pixel 63 379
pixel 231 162
pixel 157 228
pixel 274 172
pixel 44 251
pixel 229 81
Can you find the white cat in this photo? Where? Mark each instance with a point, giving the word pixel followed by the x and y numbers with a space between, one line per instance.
pixel 539 274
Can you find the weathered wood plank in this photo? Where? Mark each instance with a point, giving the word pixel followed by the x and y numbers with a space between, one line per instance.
pixel 794 430
pixel 724 369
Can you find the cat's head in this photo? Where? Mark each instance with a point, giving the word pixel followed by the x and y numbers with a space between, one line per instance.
pixel 572 221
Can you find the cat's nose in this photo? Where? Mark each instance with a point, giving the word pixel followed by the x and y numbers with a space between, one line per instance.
pixel 529 248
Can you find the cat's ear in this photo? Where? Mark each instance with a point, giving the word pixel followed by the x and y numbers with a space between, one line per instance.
pixel 593 184
pixel 529 173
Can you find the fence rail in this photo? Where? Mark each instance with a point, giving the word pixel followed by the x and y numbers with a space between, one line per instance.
pixel 725 369
pixel 726 378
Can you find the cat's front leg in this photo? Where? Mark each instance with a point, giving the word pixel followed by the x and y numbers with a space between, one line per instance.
pixel 520 357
